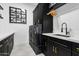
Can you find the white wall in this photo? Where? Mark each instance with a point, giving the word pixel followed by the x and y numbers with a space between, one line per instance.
pixel 72 20
pixel 22 30
pixel 55 24
pixel 70 14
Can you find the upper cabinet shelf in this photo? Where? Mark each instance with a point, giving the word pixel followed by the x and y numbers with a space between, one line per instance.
pixel 51 4
pixel 56 5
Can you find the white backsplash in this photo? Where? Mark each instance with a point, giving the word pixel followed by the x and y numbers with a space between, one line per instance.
pixel 70 17
pixel 72 20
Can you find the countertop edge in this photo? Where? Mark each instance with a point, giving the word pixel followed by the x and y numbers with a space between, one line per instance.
pixel 71 39
pixel 6 35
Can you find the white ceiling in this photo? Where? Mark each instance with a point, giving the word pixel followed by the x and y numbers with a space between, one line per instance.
pixel 33 5
pixel 69 7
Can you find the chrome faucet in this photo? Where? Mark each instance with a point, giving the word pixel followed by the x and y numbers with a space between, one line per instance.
pixel 63 28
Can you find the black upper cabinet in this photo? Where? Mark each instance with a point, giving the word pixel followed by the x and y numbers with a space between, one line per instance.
pixel 47 24
pixel 40 17
pixel 34 17
pixel 38 14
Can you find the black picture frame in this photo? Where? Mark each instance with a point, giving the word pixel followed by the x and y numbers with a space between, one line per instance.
pixel 17 15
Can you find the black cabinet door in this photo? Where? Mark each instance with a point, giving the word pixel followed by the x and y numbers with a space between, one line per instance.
pixel 47 46
pixel 75 53
pixel 44 41
pixel 39 11
pixel 35 17
pixel 75 49
pixel 61 50
pixel 1 50
pixel 4 50
pixel 55 47
pixel 10 44
pixel 46 50
pixel 47 24
pixel 40 17
pixel 42 10
pixel 50 47
pixel 6 46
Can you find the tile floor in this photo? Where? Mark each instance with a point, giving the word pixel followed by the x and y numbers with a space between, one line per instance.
pixel 23 50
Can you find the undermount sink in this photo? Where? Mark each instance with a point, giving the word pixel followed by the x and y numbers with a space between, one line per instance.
pixel 62 35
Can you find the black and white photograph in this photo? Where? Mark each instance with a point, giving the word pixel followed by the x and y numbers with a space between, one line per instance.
pixel 39 29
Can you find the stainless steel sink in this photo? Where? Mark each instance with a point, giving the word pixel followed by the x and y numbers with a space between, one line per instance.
pixel 62 35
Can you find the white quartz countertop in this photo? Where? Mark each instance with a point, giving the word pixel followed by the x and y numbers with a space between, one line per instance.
pixel 72 39
pixel 4 35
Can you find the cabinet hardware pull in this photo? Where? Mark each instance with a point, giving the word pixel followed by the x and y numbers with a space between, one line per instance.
pixel 56 50
pixel 53 49
pixel 1 45
pixel 77 49
pixel 45 44
pixel 61 44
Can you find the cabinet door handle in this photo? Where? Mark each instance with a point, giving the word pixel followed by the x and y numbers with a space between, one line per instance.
pixel 1 45
pixel 56 50
pixel 77 49
pixel 53 49
pixel 61 44
pixel 45 44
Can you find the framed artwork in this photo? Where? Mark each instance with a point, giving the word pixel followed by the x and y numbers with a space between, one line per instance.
pixel 17 15
pixel 1 8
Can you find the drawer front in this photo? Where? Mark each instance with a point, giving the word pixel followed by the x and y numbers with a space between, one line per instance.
pixel 63 42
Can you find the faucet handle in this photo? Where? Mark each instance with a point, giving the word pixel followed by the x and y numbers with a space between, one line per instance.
pixel 69 32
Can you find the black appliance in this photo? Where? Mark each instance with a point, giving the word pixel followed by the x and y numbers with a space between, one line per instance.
pixel 35 37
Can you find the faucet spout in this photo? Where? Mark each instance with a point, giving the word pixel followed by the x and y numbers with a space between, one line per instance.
pixel 62 29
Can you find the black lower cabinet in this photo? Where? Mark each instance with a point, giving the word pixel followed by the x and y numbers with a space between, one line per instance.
pixel 75 53
pixel 61 50
pixel 36 49
pixel 35 38
pixel 75 49
pixel 46 48
pixel 6 45
pixel 52 47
